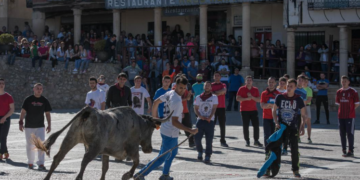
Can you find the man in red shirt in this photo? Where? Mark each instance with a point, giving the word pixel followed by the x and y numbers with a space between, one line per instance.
pixel 219 89
pixel 6 110
pixel 267 102
pixel 248 95
pixel 347 99
pixel 43 52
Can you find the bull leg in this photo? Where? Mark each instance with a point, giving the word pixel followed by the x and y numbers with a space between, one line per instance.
pixel 105 166
pixel 134 154
pixel 66 146
pixel 92 152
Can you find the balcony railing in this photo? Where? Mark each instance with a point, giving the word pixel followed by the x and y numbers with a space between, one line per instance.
pixel 333 4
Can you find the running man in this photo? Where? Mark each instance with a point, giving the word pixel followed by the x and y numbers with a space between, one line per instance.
pixel 248 95
pixel 95 98
pixel 169 130
pixel 347 99
pixel 219 89
pixel 33 110
pixel 309 95
pixel 139 94
pixel 205 107
pixel 267 103
pixel 289 105
pixel 6 110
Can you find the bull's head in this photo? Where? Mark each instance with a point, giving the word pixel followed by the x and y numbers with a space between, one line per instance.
pixel 147 134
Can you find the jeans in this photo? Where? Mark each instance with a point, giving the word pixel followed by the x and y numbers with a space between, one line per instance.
pixel 324 68
pixel 67 63
pixel 221 116
pixel 167 144
pixel 60 59
pixel 324 101
pixel 269 129
pixel 232 98
pixel 11 59
pixel 347 129
pixel 34 61
pixel 252 116
pixel 84 64
pixel 186 121
pixel 4 131
pixel 206 128
pixel 78 64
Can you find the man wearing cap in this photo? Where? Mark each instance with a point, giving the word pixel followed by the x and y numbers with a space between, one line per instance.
pixel 132 71
pixel 198 87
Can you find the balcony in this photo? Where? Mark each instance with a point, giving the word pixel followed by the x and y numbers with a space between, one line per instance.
pixel 333 4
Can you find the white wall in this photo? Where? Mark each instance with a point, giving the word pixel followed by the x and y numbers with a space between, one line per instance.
pixel 320 17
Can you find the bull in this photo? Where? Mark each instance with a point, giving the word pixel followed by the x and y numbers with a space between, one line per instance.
pixel 116 132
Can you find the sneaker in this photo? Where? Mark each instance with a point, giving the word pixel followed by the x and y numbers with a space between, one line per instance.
pixel 200 158
pixel 6 156
pixel 344 153
pixel 30 166
pixel 258 144
pixel 224 144
pixel 247 144
pixel 267 174
pixel 165 177
pixel 41 168
pixel 138 177
pixel 75 70
pixel 53 69
pixel 297 174
pixel 192 145
pixel 284 152
pixel 207 159
pixel 349 154
pixel 316 122
pixel 309 141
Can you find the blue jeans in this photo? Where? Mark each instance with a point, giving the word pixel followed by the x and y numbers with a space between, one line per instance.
pixel 84 64
pixel 269 129
pixel 206 128
pixel 77 64
pixel 324 68
pixel 11 59
pixel 67 63
pixel 34 61
pixel 60 59
pixel 232 99
pixel 167 143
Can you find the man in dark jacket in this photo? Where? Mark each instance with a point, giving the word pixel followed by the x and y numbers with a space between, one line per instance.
pixel 110 47
pixel 119 94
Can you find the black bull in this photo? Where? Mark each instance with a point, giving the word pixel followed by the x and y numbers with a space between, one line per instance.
pixel 116 132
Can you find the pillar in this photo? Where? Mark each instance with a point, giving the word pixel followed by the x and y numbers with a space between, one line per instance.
pixel 116 23
pixel 343 51
pixel 157 26
pixel 290 64
pixel 203 30
pixel 245 70
pixel 38 23
pixel 4 21
pixel 77 25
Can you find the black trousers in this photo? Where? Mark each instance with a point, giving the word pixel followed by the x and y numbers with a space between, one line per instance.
pixel 322 100
pixel 286 136
pixel 53 62
pixel 186 121
pixel 232 99
pixel 220 114
pixel 252 116
pixel 4 131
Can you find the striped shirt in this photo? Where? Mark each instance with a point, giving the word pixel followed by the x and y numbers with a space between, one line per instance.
pixel 346 99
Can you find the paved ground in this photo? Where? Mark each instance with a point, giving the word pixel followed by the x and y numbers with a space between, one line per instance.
pixel 320 160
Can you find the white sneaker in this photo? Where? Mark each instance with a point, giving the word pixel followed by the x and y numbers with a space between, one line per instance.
pixel 53 69
pixel 75 70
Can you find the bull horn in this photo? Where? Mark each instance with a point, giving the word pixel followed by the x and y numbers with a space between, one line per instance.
pixel 164 119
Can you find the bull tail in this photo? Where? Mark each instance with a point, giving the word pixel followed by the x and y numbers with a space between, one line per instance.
pixel 46 145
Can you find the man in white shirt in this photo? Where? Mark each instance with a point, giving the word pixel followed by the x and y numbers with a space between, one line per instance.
pixel 95 98
pixel 205 108
pixel 169 130
pixel 138 96
pixel 102 85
